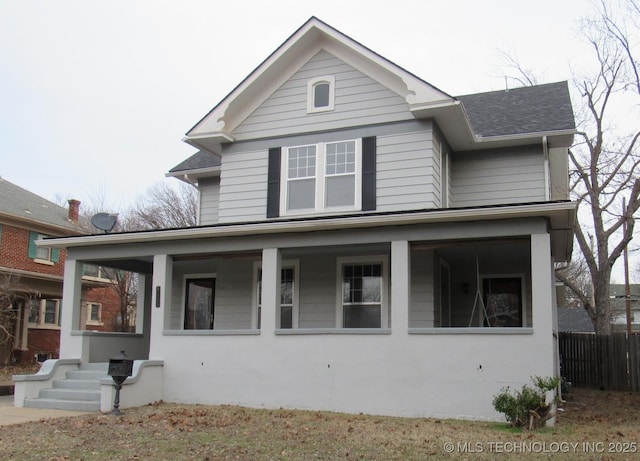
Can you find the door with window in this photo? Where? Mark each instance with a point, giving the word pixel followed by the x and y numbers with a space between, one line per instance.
pixel 199 303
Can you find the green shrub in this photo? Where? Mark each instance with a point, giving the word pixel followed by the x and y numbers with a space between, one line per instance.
pixel 528 407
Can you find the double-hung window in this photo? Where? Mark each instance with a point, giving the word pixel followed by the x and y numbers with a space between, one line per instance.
pixel 41 255
pixel 44 313
pixel 94 313
pixel 322 177
pixel 363 293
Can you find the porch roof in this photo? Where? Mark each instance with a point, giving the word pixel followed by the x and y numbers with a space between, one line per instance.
pixel 560 215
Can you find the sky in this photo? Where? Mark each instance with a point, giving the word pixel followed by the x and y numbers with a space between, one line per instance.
pixel 96 96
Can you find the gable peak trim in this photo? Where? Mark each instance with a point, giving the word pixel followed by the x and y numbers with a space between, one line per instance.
pixel 314 35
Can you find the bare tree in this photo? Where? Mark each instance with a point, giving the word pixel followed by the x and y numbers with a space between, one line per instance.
pixel 605 162
pixel 12 292
pixel 165 206
pixel 161 207
pixel 576 274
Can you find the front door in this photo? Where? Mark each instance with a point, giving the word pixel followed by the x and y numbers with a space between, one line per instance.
pixel 198 310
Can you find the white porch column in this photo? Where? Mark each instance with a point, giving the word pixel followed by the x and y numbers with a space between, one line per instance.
pixel 542 288
pixel 72 347
pixel 400 286
pixel 271 275
pixel 161 294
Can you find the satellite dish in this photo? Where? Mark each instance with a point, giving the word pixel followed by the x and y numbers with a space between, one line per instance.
pixel 104 221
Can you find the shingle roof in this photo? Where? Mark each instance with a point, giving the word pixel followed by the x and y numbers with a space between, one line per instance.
pixel 198 160
pixel 531 109
pixel 19 202
pixel 574 319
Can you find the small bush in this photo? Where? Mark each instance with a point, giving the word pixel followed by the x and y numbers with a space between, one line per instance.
pixel 528 407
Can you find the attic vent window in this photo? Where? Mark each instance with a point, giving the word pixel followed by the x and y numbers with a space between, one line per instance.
pixel 320 94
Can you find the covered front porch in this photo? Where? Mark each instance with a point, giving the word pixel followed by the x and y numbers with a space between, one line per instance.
pixel 423 318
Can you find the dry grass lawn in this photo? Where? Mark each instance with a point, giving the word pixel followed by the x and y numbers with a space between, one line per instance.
pixel 594 425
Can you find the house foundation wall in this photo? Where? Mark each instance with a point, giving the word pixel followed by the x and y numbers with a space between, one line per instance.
pixel 430 375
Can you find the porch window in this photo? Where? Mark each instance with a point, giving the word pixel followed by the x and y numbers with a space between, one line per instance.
pixel 322 177
pixel 199 303
pixel 288 313
pixel 363 294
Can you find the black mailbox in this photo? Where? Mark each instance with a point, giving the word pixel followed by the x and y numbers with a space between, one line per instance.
pixel 120 368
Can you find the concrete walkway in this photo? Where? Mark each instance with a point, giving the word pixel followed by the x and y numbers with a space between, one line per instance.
pixel 12 415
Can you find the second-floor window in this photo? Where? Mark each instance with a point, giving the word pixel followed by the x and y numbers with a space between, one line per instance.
pixel 322 177
pixel 41 254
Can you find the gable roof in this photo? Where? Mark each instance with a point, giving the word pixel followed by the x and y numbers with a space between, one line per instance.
pixel 469 122
pixel 530 109
pixel 314 35
pixel 201 163
pixel 18 204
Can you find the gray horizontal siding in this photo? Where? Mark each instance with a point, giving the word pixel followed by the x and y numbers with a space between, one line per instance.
pixel 243 186
pixel 233 297
pixel 359 100
pixel 209 189
pixel 234 292
pixel 405 172
pixel 497 177
pixel 422 292
pixel 317 308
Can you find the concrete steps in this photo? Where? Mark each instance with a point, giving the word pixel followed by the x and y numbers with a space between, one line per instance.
pixel 79 391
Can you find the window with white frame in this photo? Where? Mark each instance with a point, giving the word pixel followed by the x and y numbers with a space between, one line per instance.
pixel 322 177
pixel 91 270
pixel 41 254
pixel 287 315
pixel 94 314
pixel 363 294
pixel 44 313
pixel 321 94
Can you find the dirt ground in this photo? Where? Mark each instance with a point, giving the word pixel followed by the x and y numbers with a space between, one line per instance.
pixel 592 424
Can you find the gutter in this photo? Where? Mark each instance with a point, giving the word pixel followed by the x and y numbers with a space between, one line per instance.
pixel 547 179
pixel 563 210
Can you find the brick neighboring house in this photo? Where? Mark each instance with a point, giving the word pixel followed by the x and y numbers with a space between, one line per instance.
pixel 34 275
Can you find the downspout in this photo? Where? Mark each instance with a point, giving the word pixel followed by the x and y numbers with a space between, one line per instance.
pixel 547 179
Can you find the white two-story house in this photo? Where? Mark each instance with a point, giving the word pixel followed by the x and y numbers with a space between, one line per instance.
pixel 367 243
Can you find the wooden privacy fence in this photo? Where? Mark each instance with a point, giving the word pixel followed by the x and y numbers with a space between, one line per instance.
pixel 609 362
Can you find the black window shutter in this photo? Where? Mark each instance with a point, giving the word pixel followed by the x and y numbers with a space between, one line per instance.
pixel 369 173
pixel 273 183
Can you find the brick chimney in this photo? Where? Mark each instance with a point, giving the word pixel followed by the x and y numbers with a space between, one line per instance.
pixel 74 210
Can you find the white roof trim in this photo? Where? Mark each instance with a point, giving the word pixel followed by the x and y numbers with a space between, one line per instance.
pixel 313 36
